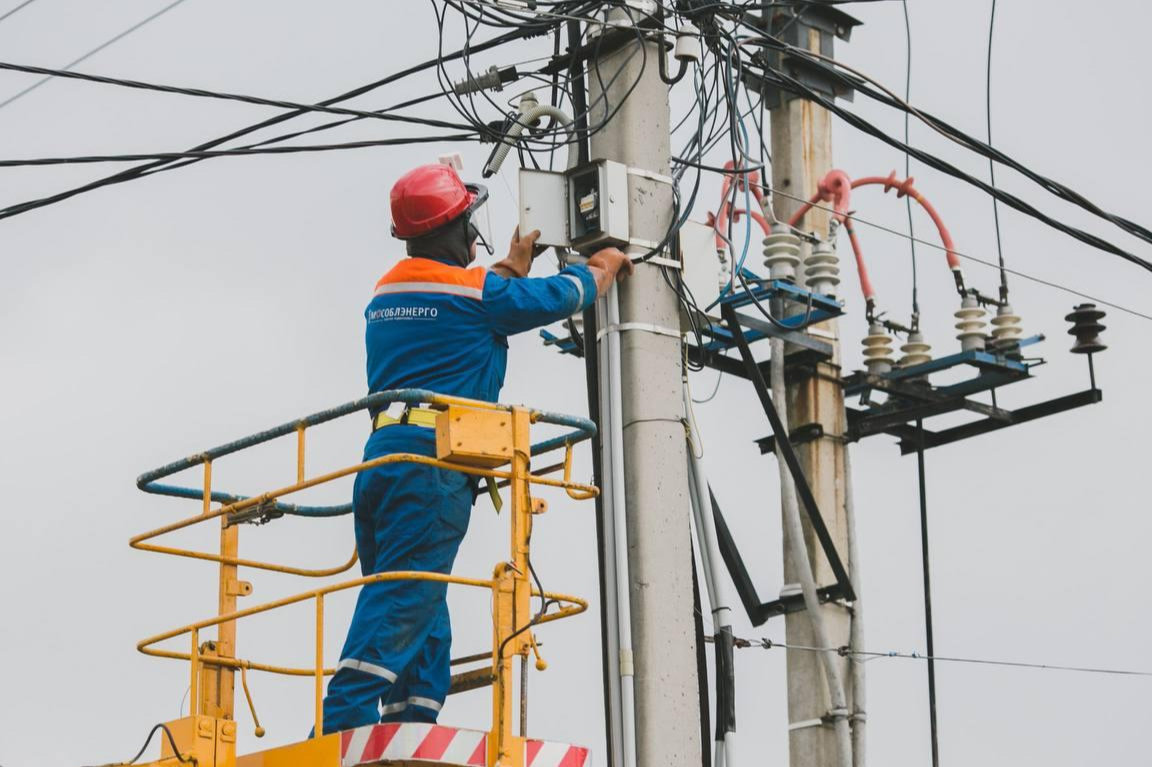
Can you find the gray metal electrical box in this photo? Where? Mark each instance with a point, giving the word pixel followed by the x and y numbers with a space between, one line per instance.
pixel 584 208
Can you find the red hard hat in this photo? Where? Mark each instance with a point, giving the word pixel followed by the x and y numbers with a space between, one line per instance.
pixel 428 197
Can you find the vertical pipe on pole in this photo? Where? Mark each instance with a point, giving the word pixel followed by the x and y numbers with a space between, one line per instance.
pixel 856 631
pixel 620 533
pixel 718 597
pixel 613 554
pixel 658 581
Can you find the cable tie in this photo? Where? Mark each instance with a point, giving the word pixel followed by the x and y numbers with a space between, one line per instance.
pixel 645 327
pixel 671 263
pixel 659 178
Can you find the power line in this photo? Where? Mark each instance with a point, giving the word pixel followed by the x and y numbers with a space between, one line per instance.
pixel 768 644
pixel 22 5
pixel 792 85
pixel 92 52
pixel 240 151
pixel 908 162
pixel 162 165
pixel 202 93
pixel 885 96
pixel 991 162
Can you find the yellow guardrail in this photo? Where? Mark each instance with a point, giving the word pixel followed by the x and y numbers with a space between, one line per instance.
pixel 475 438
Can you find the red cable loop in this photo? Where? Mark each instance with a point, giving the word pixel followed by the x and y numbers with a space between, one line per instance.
pixel 836 187
pixel 743 179
pixel 907 188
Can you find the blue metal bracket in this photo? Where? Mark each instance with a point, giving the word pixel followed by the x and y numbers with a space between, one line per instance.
pixel 566 345
pixel 911 399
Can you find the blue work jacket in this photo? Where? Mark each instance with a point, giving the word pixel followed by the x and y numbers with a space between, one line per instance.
pixel 435 326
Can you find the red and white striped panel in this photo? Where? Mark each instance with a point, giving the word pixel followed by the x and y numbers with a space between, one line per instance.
pixel 411 741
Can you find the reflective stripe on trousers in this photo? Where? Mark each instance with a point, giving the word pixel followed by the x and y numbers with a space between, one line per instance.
pixel 395 661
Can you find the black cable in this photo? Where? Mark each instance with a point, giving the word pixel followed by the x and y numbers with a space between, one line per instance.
pixel 991 162
pixel 579 95
pixel 533 144
pixel 335 124
pixel 662 60
pixel 171 742
pixel 235 152
pixel 134 173
pixel 859 81
pixel 930 639
pixel 201 93
pixel 908 165
pixel 702 671
pixel 17 8
pixel 111 41
pixel 791 85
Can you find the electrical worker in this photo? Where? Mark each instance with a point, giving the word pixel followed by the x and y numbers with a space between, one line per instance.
pixel 433 324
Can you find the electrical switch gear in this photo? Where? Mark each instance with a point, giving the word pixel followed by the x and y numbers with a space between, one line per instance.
pixel 584 208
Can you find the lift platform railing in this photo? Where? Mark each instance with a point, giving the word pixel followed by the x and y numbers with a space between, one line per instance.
pixel 477 438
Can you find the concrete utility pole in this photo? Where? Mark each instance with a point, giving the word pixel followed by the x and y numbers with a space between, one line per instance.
pixel 656 490
pixel 802 155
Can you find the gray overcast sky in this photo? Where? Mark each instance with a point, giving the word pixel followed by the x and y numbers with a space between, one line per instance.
pixel 147 321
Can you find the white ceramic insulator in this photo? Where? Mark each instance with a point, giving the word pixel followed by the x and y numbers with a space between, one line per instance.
pixel 782 256
pixel 1006 328
pixel 879 354
pixel 688 43
pixel 971 324
pixel 916 351
pixel 822 268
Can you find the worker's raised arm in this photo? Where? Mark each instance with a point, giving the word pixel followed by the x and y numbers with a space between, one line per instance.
pixel 515 305
pixel 606 265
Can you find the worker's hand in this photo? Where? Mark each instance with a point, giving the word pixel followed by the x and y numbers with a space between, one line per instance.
pixel 607 265
pixel 521 253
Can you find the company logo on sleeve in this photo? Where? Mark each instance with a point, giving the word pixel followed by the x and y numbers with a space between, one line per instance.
pixel 403 313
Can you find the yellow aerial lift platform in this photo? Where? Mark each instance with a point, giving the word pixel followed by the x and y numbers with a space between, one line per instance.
pixel 479 438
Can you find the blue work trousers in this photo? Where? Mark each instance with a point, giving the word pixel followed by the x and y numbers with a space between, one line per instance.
pixel 395 661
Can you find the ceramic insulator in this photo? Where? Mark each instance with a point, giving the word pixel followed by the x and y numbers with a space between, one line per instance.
pixel 879 354
pixel 971 324
pixel 1086 326
pixel 822 268
pixel 1006 329
pixel 782 256
pixel 916 351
